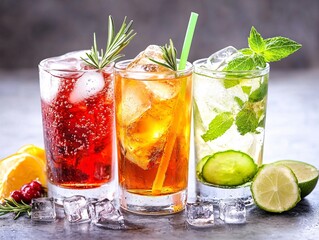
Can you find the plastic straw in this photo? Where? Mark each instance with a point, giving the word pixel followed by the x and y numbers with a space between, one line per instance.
pixel 188 40
pixel 170 141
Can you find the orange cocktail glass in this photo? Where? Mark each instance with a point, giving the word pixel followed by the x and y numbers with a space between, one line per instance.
pixel 153 116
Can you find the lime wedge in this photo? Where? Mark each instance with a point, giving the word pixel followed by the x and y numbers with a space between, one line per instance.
pixel 307 175
pixel 229 168
pixel 275 188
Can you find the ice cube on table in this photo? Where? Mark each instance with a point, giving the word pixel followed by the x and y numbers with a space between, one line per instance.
pixel 142 62
pixel 43 210
pixel 76 209
pixel 89 84
pixel 219 59
pixel 106 215
pixel 200 214
pixel 135 101
pixel 232 211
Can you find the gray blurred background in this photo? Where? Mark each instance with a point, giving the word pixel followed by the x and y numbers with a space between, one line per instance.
pixel 31 30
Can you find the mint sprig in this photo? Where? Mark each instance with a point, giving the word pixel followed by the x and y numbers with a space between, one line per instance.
pixel 262 51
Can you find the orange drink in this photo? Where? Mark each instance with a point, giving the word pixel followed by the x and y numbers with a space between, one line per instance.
pixel 153 115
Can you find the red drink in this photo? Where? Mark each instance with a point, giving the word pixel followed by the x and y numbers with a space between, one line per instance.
pixel 77 110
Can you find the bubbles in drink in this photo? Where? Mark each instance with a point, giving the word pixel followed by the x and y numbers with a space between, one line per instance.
pixel 49 86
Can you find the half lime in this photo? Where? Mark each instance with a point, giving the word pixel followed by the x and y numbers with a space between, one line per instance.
pixel 275 188
pixel 307 175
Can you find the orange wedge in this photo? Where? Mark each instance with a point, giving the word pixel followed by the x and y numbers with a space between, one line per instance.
pixel 33 150
pixel 19 169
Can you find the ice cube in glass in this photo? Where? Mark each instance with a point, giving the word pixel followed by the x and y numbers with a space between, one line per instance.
pixel 43 210
pixel 232 211
pixel 76 209
pixel 219 59
pixel 200 214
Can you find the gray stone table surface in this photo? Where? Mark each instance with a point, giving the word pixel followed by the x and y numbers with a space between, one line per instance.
pixel 291 133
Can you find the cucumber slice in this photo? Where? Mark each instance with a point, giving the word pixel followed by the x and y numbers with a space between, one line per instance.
pixel 200 165
pixel 229 168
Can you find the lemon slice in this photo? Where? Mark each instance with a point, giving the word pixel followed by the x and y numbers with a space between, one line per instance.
pixel 33 150
pixel 307 175
pixel 275 188
pixel 229 168
pixel 19 169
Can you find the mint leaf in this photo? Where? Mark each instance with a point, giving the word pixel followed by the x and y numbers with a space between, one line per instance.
pixel 246 51
pixel 246 121
pixel 239 101
pixel 218 126
pixel 259 93
pixel 278 48
pixel 228 83
pixel 259 60
pixel 242 63
pixel 255 41
pixel 246 89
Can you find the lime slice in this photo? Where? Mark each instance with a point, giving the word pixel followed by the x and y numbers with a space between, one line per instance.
pixel 229 168
pixel 307 175
pixel 275 188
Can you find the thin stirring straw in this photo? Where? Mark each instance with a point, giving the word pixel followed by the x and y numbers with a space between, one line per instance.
pixel 188 40
pixel 170 141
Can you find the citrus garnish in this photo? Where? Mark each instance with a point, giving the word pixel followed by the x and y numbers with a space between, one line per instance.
pixel 229 168
pixel 33 150
pixel 306 174
pixel 275 188
pixel 18 169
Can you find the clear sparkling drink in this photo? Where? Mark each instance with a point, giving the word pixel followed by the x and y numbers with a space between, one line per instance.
pixel 229 123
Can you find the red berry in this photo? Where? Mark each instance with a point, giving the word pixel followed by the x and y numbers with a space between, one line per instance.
pixel 29 193
pixel 36 185
pixel 16 195
pixel 25 186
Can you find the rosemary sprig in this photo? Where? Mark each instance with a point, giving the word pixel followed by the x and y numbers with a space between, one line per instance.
pixel 115 44
pixel 169 56
pixel 10 205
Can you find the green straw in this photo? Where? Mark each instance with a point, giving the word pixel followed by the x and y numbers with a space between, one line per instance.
pixel 188 40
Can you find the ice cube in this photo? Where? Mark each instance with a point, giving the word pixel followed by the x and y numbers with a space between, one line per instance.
pixel 43 210
pixel 232 211
pixel 49 86
pixel 200 214
pixel 219 59
pixel 135 102
pixel 163 90
pixel 105 215
pixel 63 63
pixel 89 84
pixel 142 62
pixel 76 209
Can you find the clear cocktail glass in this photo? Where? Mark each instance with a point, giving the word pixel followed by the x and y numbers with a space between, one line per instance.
pixel 229 125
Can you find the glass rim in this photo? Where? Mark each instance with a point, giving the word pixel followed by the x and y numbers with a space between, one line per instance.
pixel 42 66
pixel 198 64
pixel 189 68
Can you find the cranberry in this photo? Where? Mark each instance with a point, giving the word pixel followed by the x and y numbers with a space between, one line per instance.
pixel 17 195
pixel 25 186
pixel 29 193
pixel 36 185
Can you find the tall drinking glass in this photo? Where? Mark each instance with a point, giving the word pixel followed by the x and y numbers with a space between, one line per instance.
pixel 153 113
pixel 229 125
pixel 78 122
